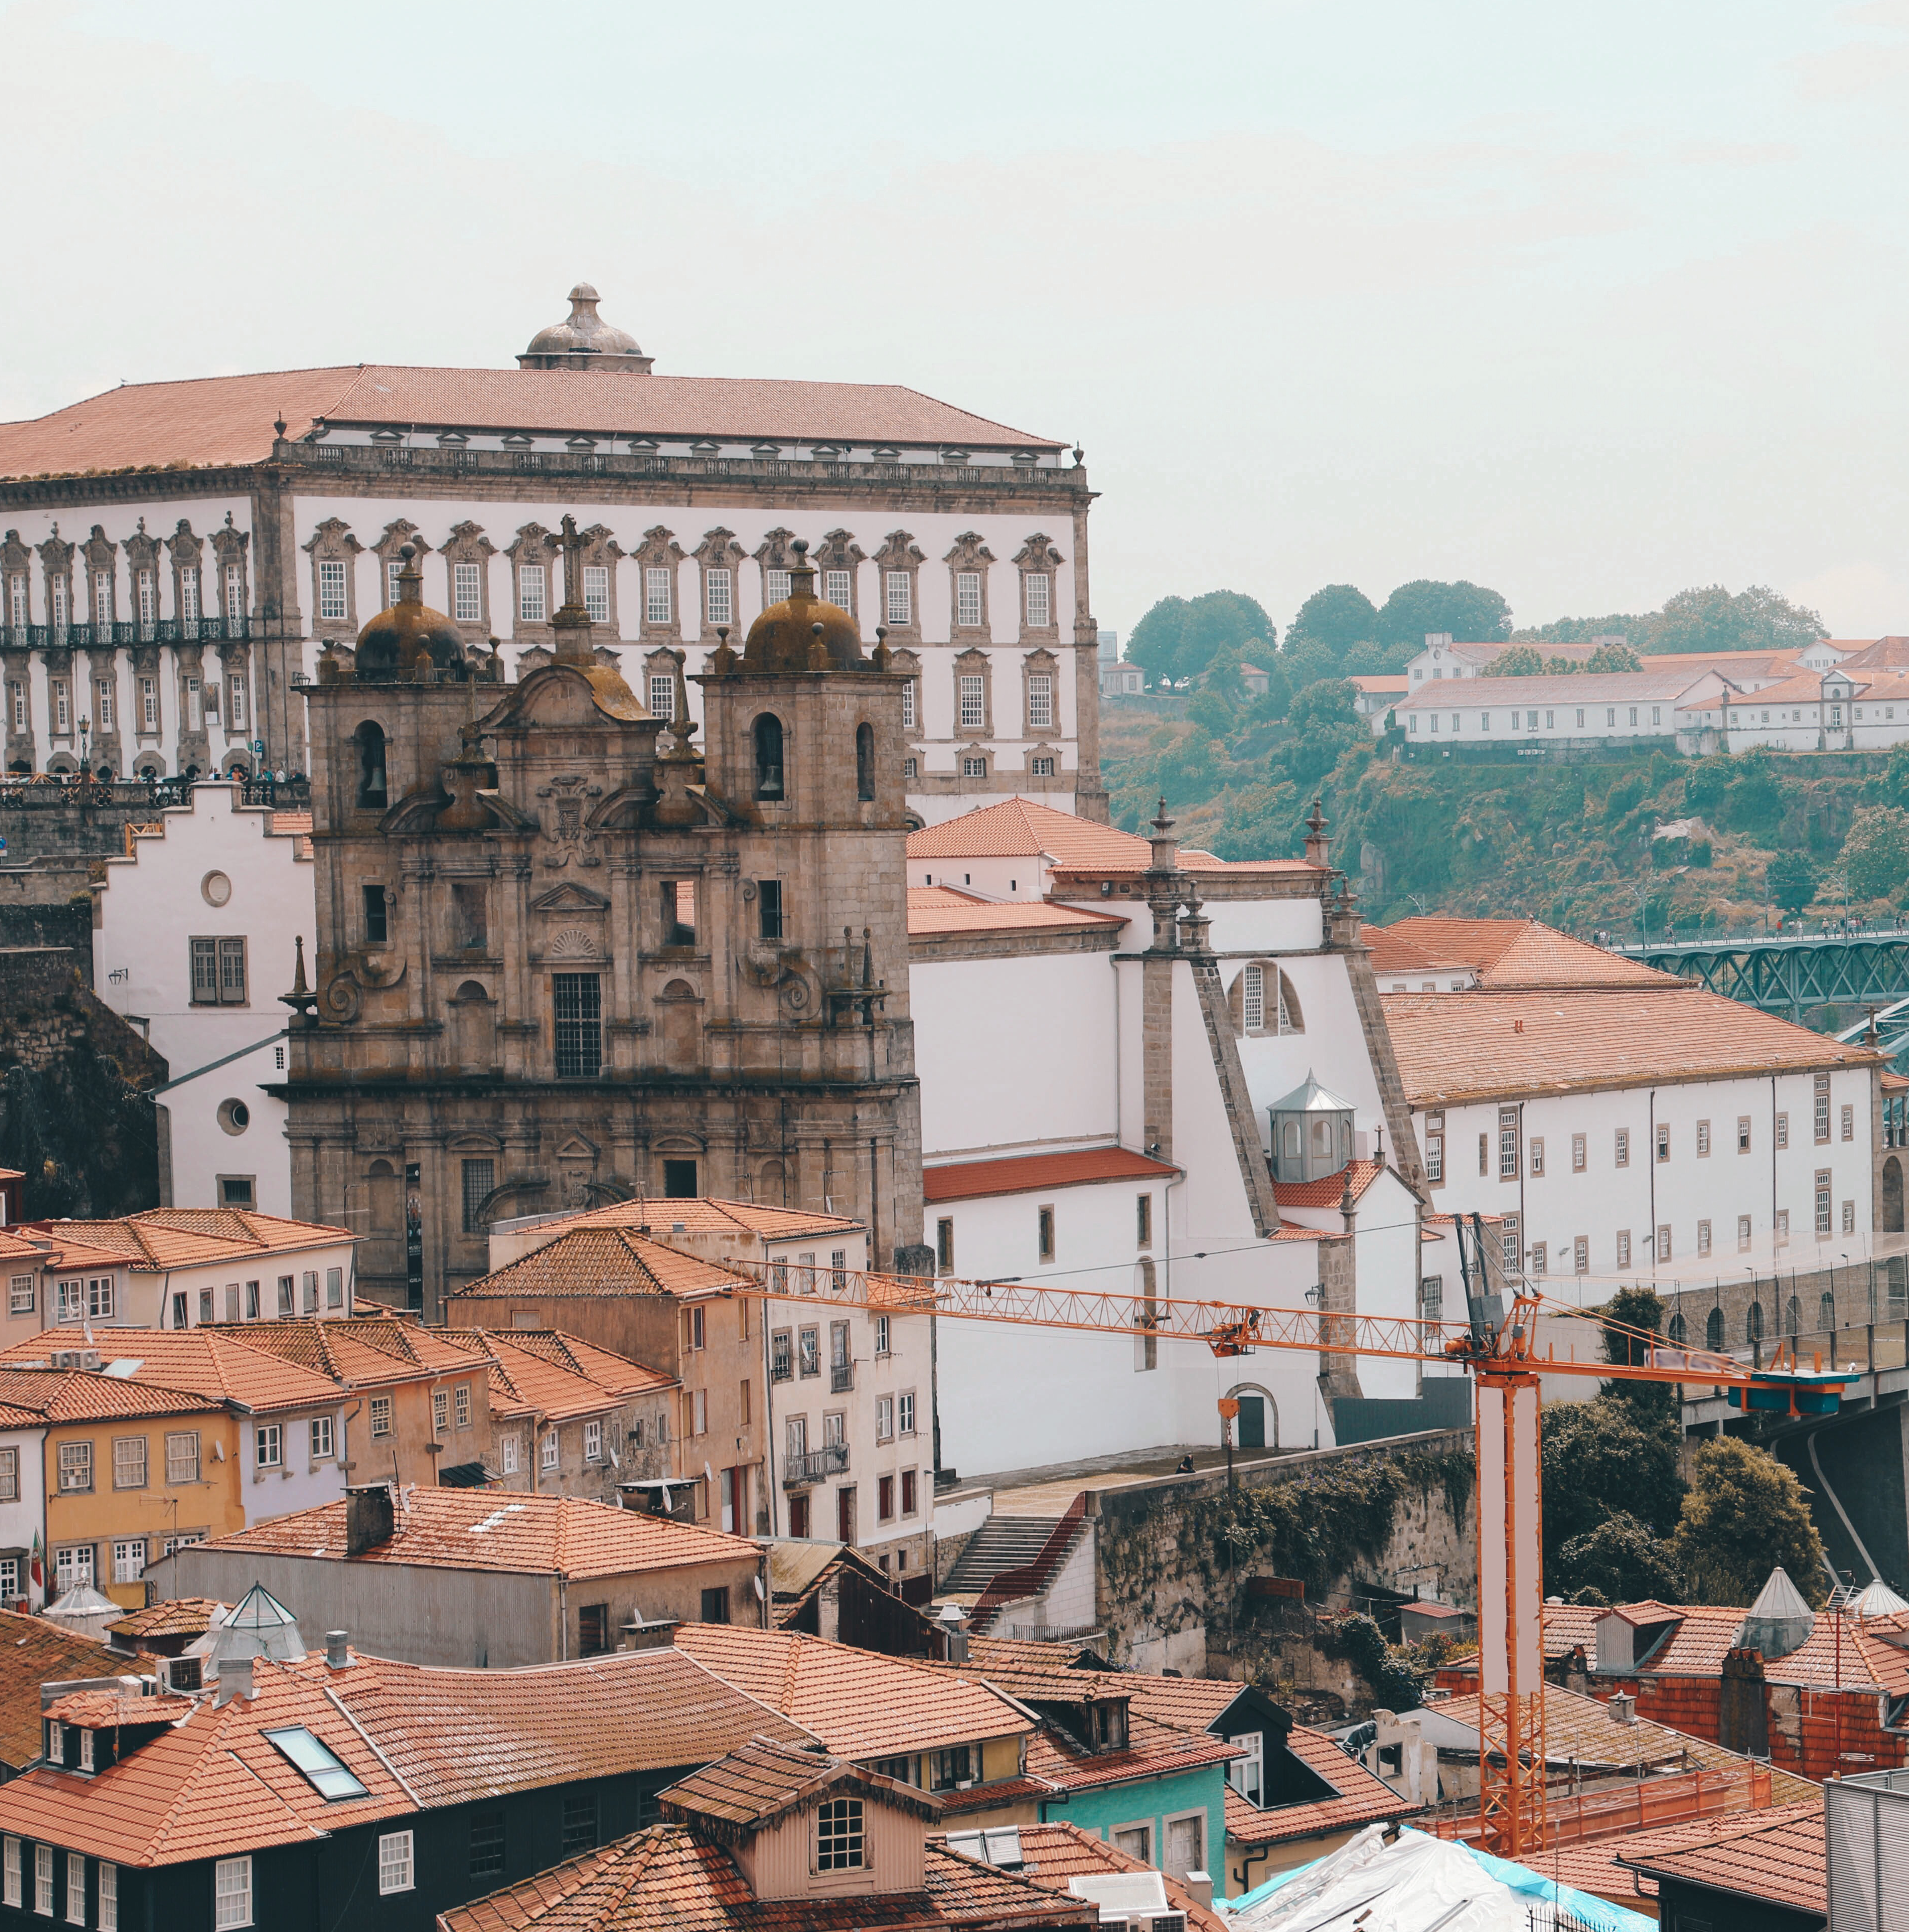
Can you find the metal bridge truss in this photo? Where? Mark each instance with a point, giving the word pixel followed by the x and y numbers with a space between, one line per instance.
pixel 1791 976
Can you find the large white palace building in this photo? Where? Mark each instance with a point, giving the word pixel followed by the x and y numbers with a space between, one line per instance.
pixel 174 556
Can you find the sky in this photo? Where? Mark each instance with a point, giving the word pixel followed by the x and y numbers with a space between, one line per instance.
pixel 1588 303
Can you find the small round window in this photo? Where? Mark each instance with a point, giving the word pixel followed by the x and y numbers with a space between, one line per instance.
pixel 216 888
pixel 235 1116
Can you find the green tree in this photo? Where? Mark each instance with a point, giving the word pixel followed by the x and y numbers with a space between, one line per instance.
pixel 1710 619
pixel 1306 662
pixel 1790 880
pixel 1324 726
pixel 1605 1458
pixel 1337 617
pixel 1612 657
pixel 1376 660
pixel 1622 1560
pixel 1745 1515
pixel 1222 675
pixel 1520 661
pixel 1468 612
pixel 1180 637
pixel 1875 855
pixel 1209 709
pixel 1259 822
pixel 1642 1310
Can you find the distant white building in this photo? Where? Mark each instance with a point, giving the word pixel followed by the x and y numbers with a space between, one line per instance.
pixel 1843 709
pixel 193 940
pixel 1375 696
pixel 1121 680
pixel 1565 709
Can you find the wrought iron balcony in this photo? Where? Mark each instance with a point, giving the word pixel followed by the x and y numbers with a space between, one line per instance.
pixel 125 636
pixel 803 1472
pixel 841 1377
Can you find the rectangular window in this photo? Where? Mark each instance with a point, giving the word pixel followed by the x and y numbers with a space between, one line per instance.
pixel 808 1342
pixel 882 1341
pixel 1624 1247
pixel 776 586
pixel 576 1002
pixel 75 1884
pixel 1511 1243
pixel 331 605
pixel 1743 1233
pixel 974 703
pixel 334 1289
pixel 1507 1143
pixel 1703 1238
pixel 532 606
pixel 900 599
pixel 393 566
pixel 1540 1257
pixel 596 592
pixel 1143 1221
pixel 1538 1155
pixel 182 1456
pixel 679 912
pixel 129 1559
pixel 1040 599
pixel 1849 1217
pixel 662 695
pixel 715 1605
pixel 1484 1155
pixel 308 1284
pixel 487 1845
pixel 102 704
pixel 1782 1130
pixel 20 707
pixel 287 1288
pixel 1663 1253
pixel 1623 1147
pixel 967 598
pixel 396 1868
pixel 904 1412
pixel 43 1883
pixel 235 709
pixel 1040 701
pixel 381 1415
pixel 10 1478
pixel 480 1181
pixel 1578 1155
pixel 908 1493
pixel 270 1439
pixel 769 908
pixel 232 1893
pixel 218 972
pixel 944 1247
pixel 1822 1202
pixel 377 928
pixel 440 1411
pixel 656 595
pixel 511 1447
pixel 109 1896
pixel 1663 1140
pixel 593 1441
pixel 782 1355
pixel 322 1438
pixel 1580 1255
pixel 1782 1230
pixel 76 1465
pixel 885 1499
pixel 1044 1232
pixel 10 1872
pixel 466 593
pixel 884 1418
pixel 718 595
pixel 579 1822
pixel 148 704
pixel 1849 1123
pixel 1822 1110
pixel 460 1404
pixel 547 1451
pixel 838 588
pixel 1703 1140
pixel 62 708
pixel 129 1461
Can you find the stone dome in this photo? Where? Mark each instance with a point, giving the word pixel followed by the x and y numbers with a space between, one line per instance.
pixel 409 633
pixel 584 339
pixel 802 633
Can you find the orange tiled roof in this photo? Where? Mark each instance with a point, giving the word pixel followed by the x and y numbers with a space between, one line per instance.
pixel 108 1710
pixel 181 1616
pixel 1329 1192
pixel 1455 1047
pixel 1018 828
pixel 228 419
pixel 940 909
pixel 358 1351
pixel 545 1375
pixel 1153 1750
pixel 478 1529
pixel 34 1651
pixel 1778 1857
pixel 1561 688
pixel 84 1395
pixel 1051 1854
pixel 764 1778
pixel 208 1362
pixel 596 1260
pixel 973 1180
pixel 166 1238
pixel 1508 953
pixel 1885 654
pixel 654 1214
pixel 859 1704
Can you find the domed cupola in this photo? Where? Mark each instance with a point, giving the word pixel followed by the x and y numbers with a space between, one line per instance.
pixel 802 633
pixel 585 341
pixel 410 633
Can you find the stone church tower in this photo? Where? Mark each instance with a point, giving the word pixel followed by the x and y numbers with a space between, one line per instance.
pixel 566 955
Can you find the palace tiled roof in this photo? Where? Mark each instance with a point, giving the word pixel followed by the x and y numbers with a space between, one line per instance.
pixel 1617 687
pixel 1452 1048
pixel 1775 1856
pixel 477 1529
pixel 1330 1190
pixel 157 1238
pixel 861 1705
pixel 1020 1174
pixel 34 1651
pixel 934 910
pixel 1019 828
pixel 658 1215
pixel 84 1395
pixel 1509 954
pixel 668 1879
pixel 218 420
pixel 595 1261
pixel 208 1362
pixel 764 1778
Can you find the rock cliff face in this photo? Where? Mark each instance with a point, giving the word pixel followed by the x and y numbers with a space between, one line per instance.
pixel 77 1111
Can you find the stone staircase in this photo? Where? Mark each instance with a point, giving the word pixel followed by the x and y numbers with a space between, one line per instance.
pixel 1001 1542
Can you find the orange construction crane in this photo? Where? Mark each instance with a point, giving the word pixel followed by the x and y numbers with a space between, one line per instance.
pixel 1496 1344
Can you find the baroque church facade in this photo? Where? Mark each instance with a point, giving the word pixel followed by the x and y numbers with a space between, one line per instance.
pixel 175 557
pixel 570 951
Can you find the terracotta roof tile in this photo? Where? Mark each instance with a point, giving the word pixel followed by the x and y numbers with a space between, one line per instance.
pixel 1455 1047
pixel 1051 1854
pixel 208 1362
pixel 1510 953
pixel 477 1529
pixel 1595 1866
pixel 1329 1191
pixel 33 1652
pixel 181 1616
pixel 228 419
pixel 1564 688
pixel 1018 828
pixel 108 1710
pixel 553 1382
pixel 859 1704
pixel 1153 1750
pixel 973 1179
pixel 1776 1857
pixel 83 1395
pixel 940 909
pixel 705 1214
pixel 594 1261
pixel 764 1778
pixel 163 1237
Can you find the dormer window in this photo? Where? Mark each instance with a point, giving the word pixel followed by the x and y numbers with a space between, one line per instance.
pixel 841 1842
pixel 85 1751
pixel 1107 1724
pixel 55 1741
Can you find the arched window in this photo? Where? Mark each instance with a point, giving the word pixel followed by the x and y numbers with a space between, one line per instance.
pixel 1252 999
pixel 1753 1323
pixel 1825 1318
pixel 1293 1149
pixel 1263 1001
pixel 1792 1316
pixel 372 795
pixel 1677 1331
pixel 769 756
pixel 1713 1330
pixel 865 761
pixel 1291 1020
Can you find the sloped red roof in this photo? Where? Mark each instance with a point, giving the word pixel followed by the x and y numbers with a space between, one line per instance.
pixel 1777 1856
pixel 1021 1173
pixel 34 1651
pixel 1330 1191
pixel 940 909
pixel 214 1363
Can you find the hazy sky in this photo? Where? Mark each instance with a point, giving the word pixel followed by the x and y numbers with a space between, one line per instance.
pixel 1585 302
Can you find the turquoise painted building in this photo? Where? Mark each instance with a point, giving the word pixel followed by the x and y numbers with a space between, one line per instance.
pixel 1174 1819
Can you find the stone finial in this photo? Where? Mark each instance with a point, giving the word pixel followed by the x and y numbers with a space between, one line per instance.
pixel 723 660
pixel 301 999
pixel 572 623
pixel 1166 847
pixel 1318 845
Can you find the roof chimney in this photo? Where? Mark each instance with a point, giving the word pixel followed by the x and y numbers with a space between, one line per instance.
pixel 234 1679
pixel 337 1651
pixel 369 1519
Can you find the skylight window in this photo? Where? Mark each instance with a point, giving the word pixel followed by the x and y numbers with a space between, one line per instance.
pixel 323 1772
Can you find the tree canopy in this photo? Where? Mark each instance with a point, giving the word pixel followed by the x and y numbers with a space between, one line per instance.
pixel 1612 657
pixel 1712 618
pixel 1745 1515
pixel 1324 725
pixel 1605 1458
pixel 1180 637
pixel 1875 854
pixel 1337 617
pixel 1520 661
pixel 1467 612
pixel 1790 880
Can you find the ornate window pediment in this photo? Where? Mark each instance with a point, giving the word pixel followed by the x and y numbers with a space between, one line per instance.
pixel 838 559
pixel 1038 562
pixel 967 585
pixel 571 898
pixel 901 559
pixel 532 554
pixel 719 558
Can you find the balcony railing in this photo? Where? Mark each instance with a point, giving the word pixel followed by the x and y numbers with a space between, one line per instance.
pixel 125 636
pixel 803 1472
pixel 841 1377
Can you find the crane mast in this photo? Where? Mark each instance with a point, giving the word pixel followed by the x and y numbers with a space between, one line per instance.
pixel 1496 1344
